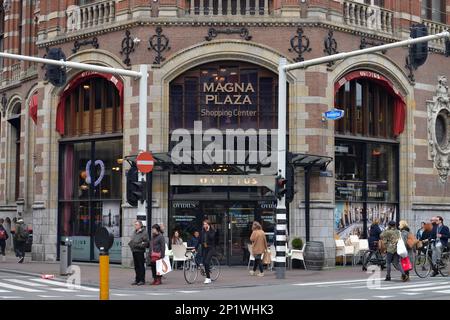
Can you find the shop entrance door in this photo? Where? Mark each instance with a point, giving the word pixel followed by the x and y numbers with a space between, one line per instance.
pixel 240 218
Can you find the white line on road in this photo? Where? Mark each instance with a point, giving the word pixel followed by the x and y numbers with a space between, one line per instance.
pixel 10 297
pixel 63 284
pixel 86 295
pixel 124 294
pixel 410 293
pixel 443 291
pixel 335 282
pixel 157 294
pixel 27 283
pixel 356 299
pixel 13 287
pixel 5 291
pixel 62 290
pixel 188 291
pixel 44 296
pixel 429 289
pixel 383 297
pixel 400 286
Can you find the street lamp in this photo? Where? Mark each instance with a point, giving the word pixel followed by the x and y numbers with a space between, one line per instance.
pixel 3 102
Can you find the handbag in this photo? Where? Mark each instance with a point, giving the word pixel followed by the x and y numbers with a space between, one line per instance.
pixel 154 256
pixel 406 264
pixel 401 248
pixel 267 259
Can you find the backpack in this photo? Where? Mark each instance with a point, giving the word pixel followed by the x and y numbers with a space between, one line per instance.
pixel 3 235
pixel 411 241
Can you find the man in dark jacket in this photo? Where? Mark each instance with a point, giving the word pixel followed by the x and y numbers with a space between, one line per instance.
pixel 208 248
pixel 20 237
pixel 138 243
pixel 440 234
pixel 3 237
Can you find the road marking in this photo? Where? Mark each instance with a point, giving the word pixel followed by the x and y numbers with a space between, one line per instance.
pixel 410 293
pixel 400 286
pixel 5 291
pixel 86 295
pixel 157 293
pixel 188 291
pixel 63 284
pixel 429 289
pixel 335 282
pixel 10 297
pixel 124 294
pixel 443 291
pixel 356 299
pixel 27 283
pixel 383 297
pixel 13 287
pixel 62 290
pixel 44 296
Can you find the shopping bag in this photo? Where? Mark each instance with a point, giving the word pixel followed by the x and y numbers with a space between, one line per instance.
pixel 267 259
pixel 401 248
pixel 163 266
pixel 406 264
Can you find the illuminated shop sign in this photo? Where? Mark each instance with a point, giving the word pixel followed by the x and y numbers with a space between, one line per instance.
pixel 236 181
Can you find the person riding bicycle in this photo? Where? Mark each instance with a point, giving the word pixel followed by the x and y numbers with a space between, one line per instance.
pixel 195 245
pixel 208 242
pixel 440 235
pixel 374 235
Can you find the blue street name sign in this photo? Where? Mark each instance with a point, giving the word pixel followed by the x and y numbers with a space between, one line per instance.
pixel 334 114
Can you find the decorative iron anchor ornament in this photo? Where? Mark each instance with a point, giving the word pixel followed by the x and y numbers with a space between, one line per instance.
pixel 128 44
pixel 330 45
pixel 158 43
pixel 298 46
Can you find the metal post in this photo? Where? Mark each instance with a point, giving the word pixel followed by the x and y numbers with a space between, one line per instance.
pixel 307 203
pixel 280 240
pixel 143 69
pixel 149 202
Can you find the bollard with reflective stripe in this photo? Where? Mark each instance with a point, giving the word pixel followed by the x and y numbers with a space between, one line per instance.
pixel 104 275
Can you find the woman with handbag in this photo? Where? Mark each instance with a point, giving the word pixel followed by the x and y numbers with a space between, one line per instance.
pixel 409 240
pixel 138 244
pixel 157 251
pixel 390 237
pixel 259 247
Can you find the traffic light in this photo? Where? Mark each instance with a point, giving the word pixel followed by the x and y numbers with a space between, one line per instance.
pixel 136 190
pixel 290 181
pixel 55 74
pixel 418 53
pixel 447 47
pixel 280 187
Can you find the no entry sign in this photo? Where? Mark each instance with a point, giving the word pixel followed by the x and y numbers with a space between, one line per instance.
pixel 145 162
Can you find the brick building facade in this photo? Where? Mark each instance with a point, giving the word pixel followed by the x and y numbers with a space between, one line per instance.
pixel 185 43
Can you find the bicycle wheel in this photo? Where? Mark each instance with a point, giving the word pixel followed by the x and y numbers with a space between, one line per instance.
pixel 422 265
pixel 445 264
pixel 190 271
pixel 215 269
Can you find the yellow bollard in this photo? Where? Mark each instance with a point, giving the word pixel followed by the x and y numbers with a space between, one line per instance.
pixel 104 276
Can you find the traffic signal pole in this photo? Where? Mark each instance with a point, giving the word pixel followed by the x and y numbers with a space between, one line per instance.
pixel 141 75
pixel 281 218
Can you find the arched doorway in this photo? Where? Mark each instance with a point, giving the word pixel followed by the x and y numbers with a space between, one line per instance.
pixel 367 152
pixel 222 96
pixel 89 118
pixel 14 120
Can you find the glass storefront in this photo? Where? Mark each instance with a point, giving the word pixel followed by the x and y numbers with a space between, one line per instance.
pixel 90 170
pixel 366 159
pixel 232 219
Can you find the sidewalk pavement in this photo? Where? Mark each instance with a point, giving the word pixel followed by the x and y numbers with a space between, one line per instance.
pixel 121 277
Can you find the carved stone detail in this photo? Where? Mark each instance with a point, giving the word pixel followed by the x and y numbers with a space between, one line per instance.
pixel 439 107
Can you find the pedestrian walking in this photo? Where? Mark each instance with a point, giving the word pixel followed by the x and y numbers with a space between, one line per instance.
pixel 20 236
pixel 157 251
pixel 259 247
pixel 3 237
pixel 374 234
pixel 208 248
pixel 138 243
pixel 409 240
pixel 390 237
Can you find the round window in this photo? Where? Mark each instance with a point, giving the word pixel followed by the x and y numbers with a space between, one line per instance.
pixel 441 129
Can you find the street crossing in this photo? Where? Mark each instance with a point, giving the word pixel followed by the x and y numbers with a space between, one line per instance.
pixel 377 288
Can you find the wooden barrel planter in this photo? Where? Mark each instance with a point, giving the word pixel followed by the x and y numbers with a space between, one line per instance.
pixel 314 255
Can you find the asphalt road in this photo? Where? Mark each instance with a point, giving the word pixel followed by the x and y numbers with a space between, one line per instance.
pixel 15 287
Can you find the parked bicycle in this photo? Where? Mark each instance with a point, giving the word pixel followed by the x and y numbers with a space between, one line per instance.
pixel 374 258
pixel 191 267
pixel 423 263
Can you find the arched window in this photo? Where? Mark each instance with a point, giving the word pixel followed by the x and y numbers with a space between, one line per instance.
pixel 366 152
pixel 92 108
pixel 14 147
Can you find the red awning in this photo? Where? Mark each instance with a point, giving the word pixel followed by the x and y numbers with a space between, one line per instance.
pixel 33 107
pixel 74 84
pixel 399 112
